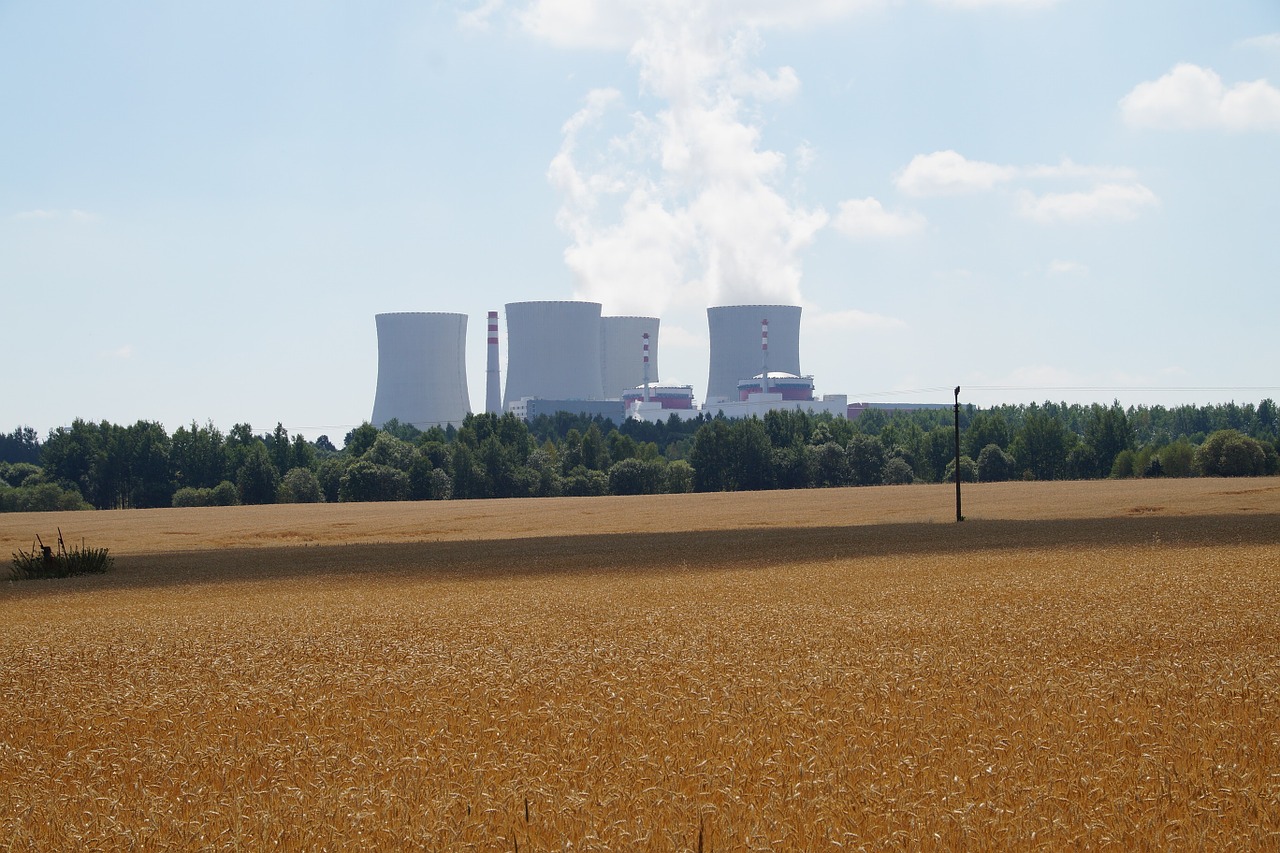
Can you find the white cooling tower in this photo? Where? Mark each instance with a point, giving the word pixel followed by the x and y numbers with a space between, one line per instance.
pixel 422 371
pixel 736 345
pixel 622 353
pixel 553 351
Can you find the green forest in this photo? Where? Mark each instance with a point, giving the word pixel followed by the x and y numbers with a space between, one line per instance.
pixel 109 466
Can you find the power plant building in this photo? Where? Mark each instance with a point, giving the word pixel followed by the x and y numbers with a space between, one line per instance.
pixel 621 347
pixel 553 352
pixel 736 345
pixel 422 372
pixel 788 385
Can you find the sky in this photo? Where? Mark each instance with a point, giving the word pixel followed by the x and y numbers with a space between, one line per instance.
pixel 203 205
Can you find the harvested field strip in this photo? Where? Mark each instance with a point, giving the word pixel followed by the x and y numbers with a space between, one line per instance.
pixel 683 551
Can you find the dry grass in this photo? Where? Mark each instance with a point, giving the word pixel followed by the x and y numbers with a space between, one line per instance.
pixel 1079 665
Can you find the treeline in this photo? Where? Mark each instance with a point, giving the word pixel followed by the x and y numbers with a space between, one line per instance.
pixel 108 466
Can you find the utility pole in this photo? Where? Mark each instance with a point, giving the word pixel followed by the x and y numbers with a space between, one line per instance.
pixel 959 515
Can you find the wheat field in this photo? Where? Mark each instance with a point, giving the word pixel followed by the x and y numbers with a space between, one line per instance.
pixel 1078 665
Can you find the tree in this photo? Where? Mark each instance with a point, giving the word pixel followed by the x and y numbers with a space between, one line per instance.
pixel 897 472
pixel 280 448
pixel 1081 463
pixel 19 473
pixel 994 465
pixel 41 497
pixel 831 465
pixel 1230 453
pixel 257 478
pixel 391 451
pixel 1177 459
pixel 968 471
pixel 542 462
pixel 21 445
pixel 583 482
pixel 469 480
pixel 69 454
pixel 794 466
pixel 304 454
pixel 300 486
pixel 633 477
pixel 711 457
pixel 751 456
pixel 679 477
pixel 441 485
pixel 197 456
pixel 367 481
pixel 1041 445
pixel 148 482
pixel 985 428
pixel 938 448
pixel 867 457
pixel 1109 434
pixel 329 472
pixel 360 439
pixel 595 455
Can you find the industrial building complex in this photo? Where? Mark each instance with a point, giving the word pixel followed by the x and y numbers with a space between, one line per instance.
pixel 568 356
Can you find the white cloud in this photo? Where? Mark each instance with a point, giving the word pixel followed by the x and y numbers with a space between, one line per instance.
pixel 1103 202
pixel 987 4
pixel 867 218
pixel 621 24
pixel 75 215
pixel 1060 267
pixel 478 17
pixel 1191 97
pixel 682 204
pixel 951 173
pixel 1070 169
pixel 673 336
pixel 120 353
pixel 948 173
pixel 1270 41
pixel 852 321
pixel 805 156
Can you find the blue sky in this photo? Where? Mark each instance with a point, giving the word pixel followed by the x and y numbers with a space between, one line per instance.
pixel 204 205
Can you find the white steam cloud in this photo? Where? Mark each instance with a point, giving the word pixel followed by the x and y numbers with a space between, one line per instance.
pixel 682 204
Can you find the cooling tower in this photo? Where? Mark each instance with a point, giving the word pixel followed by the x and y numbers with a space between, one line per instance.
pixel 553 351
pixel 622 353
pixel 422 371
pixel 735 345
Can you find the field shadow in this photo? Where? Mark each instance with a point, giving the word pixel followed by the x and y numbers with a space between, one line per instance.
pixel 698 551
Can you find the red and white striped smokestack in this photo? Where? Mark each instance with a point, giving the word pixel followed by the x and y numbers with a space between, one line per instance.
pixel 764 355
pixel 646 367
pixel 493 380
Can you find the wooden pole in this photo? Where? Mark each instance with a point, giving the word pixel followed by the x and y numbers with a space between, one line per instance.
pixel 959 514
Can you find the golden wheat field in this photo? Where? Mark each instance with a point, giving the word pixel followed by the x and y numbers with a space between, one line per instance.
pixel 1078 665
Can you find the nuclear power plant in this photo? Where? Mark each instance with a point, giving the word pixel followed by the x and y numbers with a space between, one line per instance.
pixel 566 356
pixel 422 371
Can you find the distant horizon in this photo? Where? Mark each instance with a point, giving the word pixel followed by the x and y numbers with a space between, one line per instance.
pixel 313 432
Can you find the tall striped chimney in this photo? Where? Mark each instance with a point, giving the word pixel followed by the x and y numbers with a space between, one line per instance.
pixel 646 367
pixel 764 355
pixel 493 380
